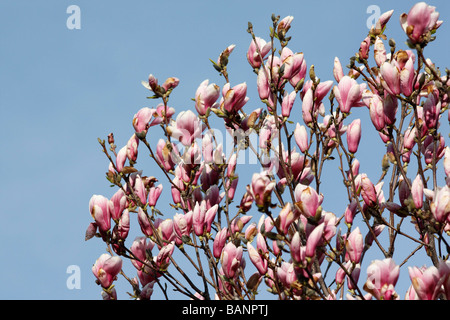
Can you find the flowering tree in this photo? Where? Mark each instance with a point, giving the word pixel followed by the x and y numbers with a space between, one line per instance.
pixel 292 241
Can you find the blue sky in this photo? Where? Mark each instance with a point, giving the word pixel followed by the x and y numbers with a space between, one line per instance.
pixel 60 89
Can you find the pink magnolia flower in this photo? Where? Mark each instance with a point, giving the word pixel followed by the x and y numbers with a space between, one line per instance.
pixel 444 274
pixel 237 224
pixel 397 76
pixel 167 156
pixel 297 161
pixel 233 98
pixel 428 149
pixel 207 147
pixel 182 225
pixel 148 274
pixel 265 224
pixel 364 48
pixel 142 118
pixel 420 21
pixel 431 111
pixel 121 158
pixel 440 203
pixel 308 107
pixel 417 191
pixel 192 156
pixel 390 78
pixel 261 243
pixel 275 248
pixel 162 260
pixel 101 209
pixel 257 257
pixel 231 185
pixel 298 251
pixel 261 188
pixel 404 191
pixel 263 85
pixel 144 223
pixel 90 231
pixel 219 242
pixel 307 200
pixel 378 28
pixel 411 294
pixel 202 218
pixel 350 212
pixel 250 232
pixel 288 102
pixel 380 194
pixel 286 273
pixel 140 248
pixel 139 189
pixel 329 220
pixel 368 191
pixel 286 217
pixel 132 148
pixel 355 271
pixel 106 268
pixel 407 77
pixel 246 201
pixel 166 231
pixel 231 259
pixel 382 276
pixel 338 72
pixel 379 52
pixel 170 83
pixel 355 245
pixel 293 64
pixel 253 56
pixel 208 176
pixel 354 135
pixel 427 282
pixel 354 169
pixel 213 196
pixel 410 135
pixel 314 240
pixel 152 83
pixel 162 112
pixel 186 128
pixel 284 25
pixel 119 201
pixel 222 60
pixel 123 227
pixel 153 195
pixel 390 106
pixel 206 97
pixel 301 137
pixel 340 273
pixel 320 92
pixel 377 231
pixel 376 111
pixel 300 75
pixel 231 167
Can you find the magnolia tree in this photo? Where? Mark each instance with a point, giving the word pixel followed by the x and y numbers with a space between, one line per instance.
pixel 276 235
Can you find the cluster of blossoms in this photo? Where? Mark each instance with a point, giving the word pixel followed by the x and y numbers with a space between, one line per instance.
pixel 293 240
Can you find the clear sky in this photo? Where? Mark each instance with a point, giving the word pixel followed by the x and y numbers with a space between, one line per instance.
pixel 60 89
